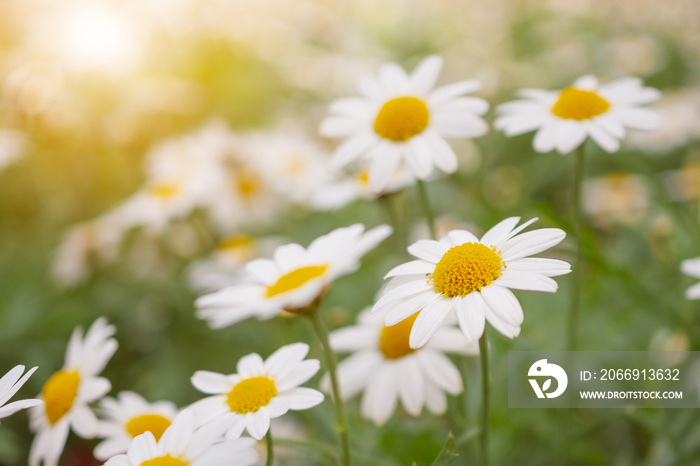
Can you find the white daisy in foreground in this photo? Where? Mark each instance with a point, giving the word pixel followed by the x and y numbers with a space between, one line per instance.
pixel 68 392
pixel 692 267
pixel 293 279
pixel 9 385
pixel 471 277
pixel 400 120
pixel 387 369
pixel 563 119
pixel 182 444
pixel 127 417
pixel 259 391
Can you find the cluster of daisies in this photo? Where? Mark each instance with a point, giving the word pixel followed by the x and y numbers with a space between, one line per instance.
pixel 394 134
pixel 135 432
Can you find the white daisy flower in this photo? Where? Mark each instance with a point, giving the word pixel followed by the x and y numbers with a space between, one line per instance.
pixel 293 279
pixel 692 267
pixel 127 417
pixel 563 119
pixel 338 193
pixel 400 120
pixel 9 385
pixel 259 391
pixel 225 264
pixel 387 369
pixel 68 392
pixel 183 444
pixel 471 277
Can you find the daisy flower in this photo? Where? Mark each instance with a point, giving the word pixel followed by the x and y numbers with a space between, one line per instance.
pixel 182 444
pixel 339 193
pixel 471 277
pixel 387 369
pixel 68 392
pixel 400 120
pixel 563 119
pixel 293 279
pixel 692 267
pixel 259 391
pixel 9 385
pixel 127 417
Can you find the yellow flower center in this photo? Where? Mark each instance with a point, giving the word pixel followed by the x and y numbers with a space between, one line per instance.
pixel 59 393
pixel 251 394
pixel 393 341
pixel 295 279
pixel 163 190
pixel 466 268
pixel 166 460
pixel 153 423
pixel 236 242
pixel 402 118
pixel 247 184
pixel 363 177
pixel 577 104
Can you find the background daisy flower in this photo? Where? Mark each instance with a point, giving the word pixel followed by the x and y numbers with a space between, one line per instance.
pixel 9 385
pixel 692 267
pixel 387 369
pixel 400 120
pixel 563 119
pixel 128 416
pixel 471 277
pixel 182 444
pixel 68 392
pixel 258 391
pixel 293 279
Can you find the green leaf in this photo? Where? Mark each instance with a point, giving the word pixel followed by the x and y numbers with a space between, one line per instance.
pixel 448 453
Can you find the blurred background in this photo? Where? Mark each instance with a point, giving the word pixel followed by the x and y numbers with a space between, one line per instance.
pixel 148 148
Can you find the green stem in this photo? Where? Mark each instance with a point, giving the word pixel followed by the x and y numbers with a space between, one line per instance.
pixel 270 451
pixel 388 202
pixel 484 356
pixel 579 172
pixel 427 210
pixel 340 413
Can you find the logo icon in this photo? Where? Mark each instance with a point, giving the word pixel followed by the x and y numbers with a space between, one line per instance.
pixel 542 368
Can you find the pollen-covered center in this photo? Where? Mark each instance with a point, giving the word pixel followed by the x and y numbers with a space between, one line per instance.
pixel 393 341
pixel 153 423
pixel 578 104
pixel 295 279
pixel 247 183
pixel 402 118
pixel 466 268
pixel 59 393
pixel 251 394
pixel 166 460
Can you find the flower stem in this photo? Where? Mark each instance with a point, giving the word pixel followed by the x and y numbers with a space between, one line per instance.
pixel 340 412
pixel 270 451
pixel 579 172
pixel 427 210
pixel 484 356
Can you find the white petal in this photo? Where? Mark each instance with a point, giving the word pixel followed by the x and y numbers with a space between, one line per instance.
pixel 471 316
pixel 441 371
pixel 546 267
pixel 435 399
pixel 353 147
pixel 419 158
pixel 303 398
pixel 411 385
pixel 263 271
pixel 84 422
pixel 410 268
pixel 443 155
pixel 570 135
pixel 428 250
pixel 425 75
pixel 428 321
pixel 286 358
pixel 546 137
pixel 503 303
pixel 530 243
pixel 353 338
pixel 381 395
pixel 258 424
pixel 211 383
pixel 522 280
pixel 385 161
pixel 12 408
pixel 446 93
pixel 602 138
pixel 301 373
